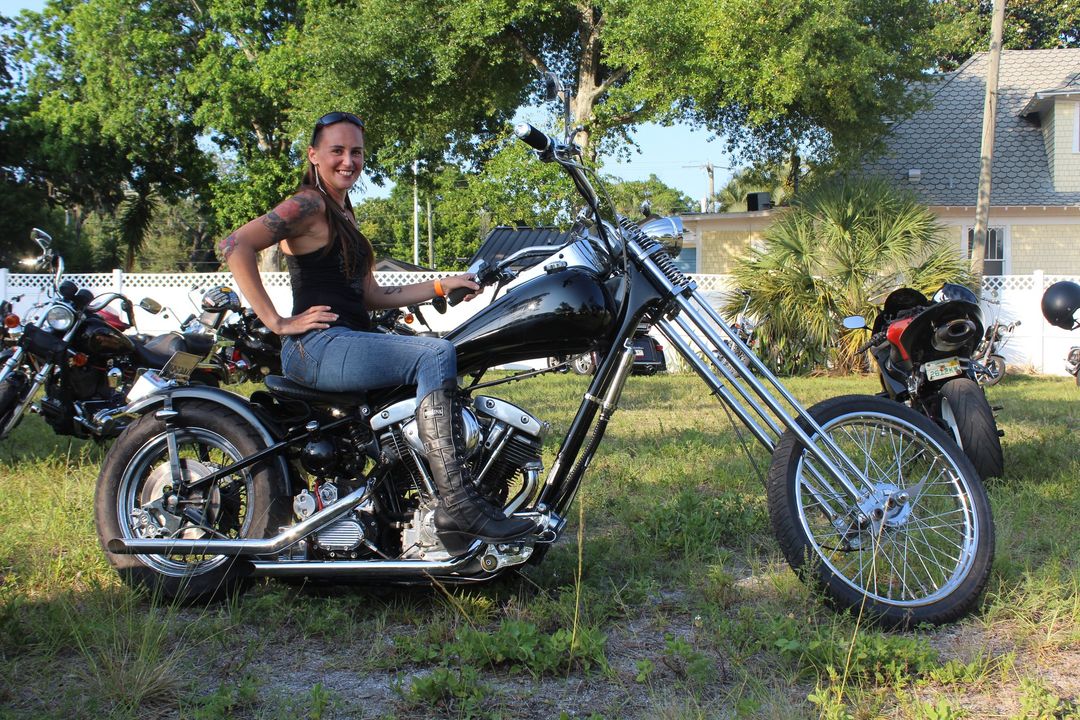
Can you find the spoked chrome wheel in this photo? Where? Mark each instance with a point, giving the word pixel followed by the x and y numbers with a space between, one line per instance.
pixel 145 510
pixel 140 495
pixel 917 544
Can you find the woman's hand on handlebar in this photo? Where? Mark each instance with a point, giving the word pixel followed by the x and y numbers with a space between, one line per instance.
pixel 460 287
pixel 316 317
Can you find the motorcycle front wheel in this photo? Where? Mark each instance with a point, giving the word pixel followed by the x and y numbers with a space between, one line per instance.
pixel 12 392
pixel 961 405
pixel 996 366
pixel 925 556
pixel 136 497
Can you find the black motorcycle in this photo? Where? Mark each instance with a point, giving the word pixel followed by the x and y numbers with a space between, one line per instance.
pixel 208 488
pixel 75 348
pixel 923 350
pixel 988 354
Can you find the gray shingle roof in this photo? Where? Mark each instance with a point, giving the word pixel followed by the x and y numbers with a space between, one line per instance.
pixel 944 140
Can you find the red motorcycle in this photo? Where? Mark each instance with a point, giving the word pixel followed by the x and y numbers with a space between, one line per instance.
pixel 924 350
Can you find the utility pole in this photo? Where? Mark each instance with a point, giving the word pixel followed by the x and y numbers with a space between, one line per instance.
pixel 430 238
pixel 415 214
pixel 707 203
pixel 986 156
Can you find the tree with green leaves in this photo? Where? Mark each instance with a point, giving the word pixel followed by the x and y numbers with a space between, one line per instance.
pixel 837 252
pixel 962 28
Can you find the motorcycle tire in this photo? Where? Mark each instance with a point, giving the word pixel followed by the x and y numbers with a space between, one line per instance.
pixel 891 568
pixel 135 475
pixel 11 394
pixel 962 407
pixel 996 366
pixel 583 364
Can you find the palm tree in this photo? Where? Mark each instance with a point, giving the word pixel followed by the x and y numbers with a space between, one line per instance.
pixel 838 252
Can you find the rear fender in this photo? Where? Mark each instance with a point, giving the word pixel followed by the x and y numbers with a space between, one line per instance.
pixel 238 404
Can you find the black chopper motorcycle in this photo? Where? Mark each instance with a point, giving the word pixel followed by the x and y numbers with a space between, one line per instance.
pixel 924 350
pixel 208 488
pixel 75 348
pixel 988 354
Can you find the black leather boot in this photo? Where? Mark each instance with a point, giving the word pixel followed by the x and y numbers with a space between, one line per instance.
pixel 463 515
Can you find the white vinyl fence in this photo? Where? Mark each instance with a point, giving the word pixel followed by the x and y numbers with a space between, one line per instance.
pixel 1036 345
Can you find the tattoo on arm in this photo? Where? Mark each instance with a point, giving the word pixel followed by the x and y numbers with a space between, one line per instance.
pixel 391 290
pixel 228 245
pixel 279 229
pixel 295 210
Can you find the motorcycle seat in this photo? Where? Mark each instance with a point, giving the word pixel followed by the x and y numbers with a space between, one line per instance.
pixel 283 387
pixel 157 351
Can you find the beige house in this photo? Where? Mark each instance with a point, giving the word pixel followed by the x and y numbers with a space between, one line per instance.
pixel 1035 196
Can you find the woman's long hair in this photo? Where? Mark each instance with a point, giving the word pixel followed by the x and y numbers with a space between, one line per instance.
pixel 357 254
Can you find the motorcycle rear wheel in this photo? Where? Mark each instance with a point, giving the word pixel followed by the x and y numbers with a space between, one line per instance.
pixel 924 561
pixel 962 406
pixel 131 487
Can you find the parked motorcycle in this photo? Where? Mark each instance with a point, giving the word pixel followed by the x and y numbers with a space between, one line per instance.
pixel 76 348
pixel 648 357
pixel 923 349
pixel 988 354
pixel 1060 303
pixel 208 488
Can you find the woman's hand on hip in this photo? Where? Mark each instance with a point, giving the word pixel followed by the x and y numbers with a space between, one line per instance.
pixel 316 317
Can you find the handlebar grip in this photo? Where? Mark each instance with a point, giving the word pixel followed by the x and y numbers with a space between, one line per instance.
pixel 532 137
pixel 458 294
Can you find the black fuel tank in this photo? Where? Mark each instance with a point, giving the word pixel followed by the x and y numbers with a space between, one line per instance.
pixel 97 339
pixel 559 313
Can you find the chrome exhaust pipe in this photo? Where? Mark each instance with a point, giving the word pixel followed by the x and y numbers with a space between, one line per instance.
pixel 241 547
pixel 361 568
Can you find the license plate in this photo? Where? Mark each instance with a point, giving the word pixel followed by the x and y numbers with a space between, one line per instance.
pixel 638 352
pixel 938 369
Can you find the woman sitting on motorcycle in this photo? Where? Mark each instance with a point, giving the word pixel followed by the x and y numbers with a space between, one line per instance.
pixel 327 343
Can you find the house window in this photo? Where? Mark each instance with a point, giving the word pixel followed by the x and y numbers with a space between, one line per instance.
pixel 687 260
pixel 994 259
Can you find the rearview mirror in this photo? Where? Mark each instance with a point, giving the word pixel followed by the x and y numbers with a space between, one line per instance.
pixel 854 322
pixel 150 305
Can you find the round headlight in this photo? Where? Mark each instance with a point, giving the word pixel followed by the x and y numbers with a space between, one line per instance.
pixel 60 318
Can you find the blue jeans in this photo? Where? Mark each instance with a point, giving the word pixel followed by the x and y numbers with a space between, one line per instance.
pixel 341 360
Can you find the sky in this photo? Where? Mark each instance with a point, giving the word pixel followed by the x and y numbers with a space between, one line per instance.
pixel 677 155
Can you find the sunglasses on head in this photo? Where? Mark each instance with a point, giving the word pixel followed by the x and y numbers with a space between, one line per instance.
pixel 336 117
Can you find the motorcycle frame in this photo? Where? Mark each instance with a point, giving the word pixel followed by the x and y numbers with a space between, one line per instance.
pixel 652 287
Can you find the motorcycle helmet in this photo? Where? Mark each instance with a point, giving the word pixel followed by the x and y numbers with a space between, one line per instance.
pixel 1060 303
pixel 952 291
pixel 220 299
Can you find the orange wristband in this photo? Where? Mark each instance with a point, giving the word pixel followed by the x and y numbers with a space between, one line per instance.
pixel 438 288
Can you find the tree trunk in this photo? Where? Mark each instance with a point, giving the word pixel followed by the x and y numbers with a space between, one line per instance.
pixel 270 259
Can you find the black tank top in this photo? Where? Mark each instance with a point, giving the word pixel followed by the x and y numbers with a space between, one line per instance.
pixel 318 278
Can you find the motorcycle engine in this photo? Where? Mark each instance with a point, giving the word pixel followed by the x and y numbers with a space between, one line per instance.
pixel 344 538
pixel 503 446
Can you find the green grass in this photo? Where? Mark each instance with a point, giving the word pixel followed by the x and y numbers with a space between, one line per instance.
pixel 679 607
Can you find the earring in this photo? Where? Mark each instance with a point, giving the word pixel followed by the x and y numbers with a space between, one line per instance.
pixel 318 184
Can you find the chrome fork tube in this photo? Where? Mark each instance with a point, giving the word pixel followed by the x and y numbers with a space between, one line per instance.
pixel 685 295
pixel 827 452
pixel 669 332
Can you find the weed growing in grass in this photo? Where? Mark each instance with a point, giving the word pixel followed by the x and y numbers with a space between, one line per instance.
pixel 875 657
pixel 131 662
pixel 230 699
pixel 455 691
pixel 697 669
pixel 1038 703
pixel 516 645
